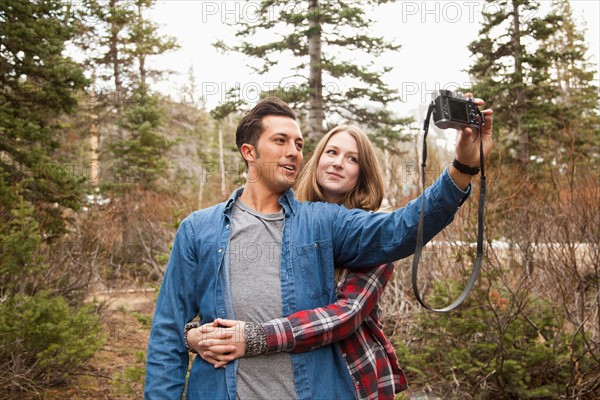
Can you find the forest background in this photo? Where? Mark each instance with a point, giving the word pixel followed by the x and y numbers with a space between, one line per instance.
pixel 100 161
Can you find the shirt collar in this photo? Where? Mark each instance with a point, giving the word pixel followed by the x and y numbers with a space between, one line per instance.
pixel 236 193
pixel 287 201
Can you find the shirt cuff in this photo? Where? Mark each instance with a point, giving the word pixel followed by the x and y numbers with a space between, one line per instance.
pixel 450 195
pixel 255 338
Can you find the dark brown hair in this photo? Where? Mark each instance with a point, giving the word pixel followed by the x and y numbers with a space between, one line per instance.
pixel 250 127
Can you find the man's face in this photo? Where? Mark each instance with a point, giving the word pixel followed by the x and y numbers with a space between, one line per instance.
pixel 278 154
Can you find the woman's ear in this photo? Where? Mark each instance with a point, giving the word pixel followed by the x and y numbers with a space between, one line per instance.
pixel 248 152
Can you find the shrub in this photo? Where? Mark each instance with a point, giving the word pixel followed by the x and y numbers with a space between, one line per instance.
pixel 130 382
pixel 43 340
pixel 501 345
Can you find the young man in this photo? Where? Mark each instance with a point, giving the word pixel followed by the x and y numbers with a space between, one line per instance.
pixel 262 255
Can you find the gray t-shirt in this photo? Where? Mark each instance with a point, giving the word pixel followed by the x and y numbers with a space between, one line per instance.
pixel 254 258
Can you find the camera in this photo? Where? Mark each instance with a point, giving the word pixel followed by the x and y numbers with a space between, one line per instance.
pixel 453 110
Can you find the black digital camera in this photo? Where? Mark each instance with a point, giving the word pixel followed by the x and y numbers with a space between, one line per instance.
pixel 453 110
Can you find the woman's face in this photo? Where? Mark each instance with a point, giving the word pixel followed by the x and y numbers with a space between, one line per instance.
pixel 338 168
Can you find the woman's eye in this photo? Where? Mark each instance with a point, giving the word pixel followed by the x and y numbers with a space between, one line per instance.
pixel 353 160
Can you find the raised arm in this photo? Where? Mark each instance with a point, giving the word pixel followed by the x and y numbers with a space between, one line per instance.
pixel 364 239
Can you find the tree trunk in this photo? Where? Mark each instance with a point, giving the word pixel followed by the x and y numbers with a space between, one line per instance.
pixel 94 142
pixel 141 56
pixel 115 28
pixel 520 92
pixel 315 78
pixel 114 57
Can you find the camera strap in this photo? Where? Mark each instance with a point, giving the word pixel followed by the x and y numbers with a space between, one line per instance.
pixel 480 217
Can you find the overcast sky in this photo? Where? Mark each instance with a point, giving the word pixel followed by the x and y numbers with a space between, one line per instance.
pixel 434 36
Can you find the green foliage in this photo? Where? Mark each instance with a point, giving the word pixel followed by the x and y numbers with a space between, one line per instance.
pixel 537 78
pixel 20 241
pixel 533 70
pixel 232 105
pixel 500 345
pixel 142 154
pixel 43 340
pixel 144 41
pixel 119 37
pixel 575 118
pixel 316 34
pixel 163 258
pixel 131 380
pixel 38 85
pixel 123 38
pixel 510 71
pixel 145 320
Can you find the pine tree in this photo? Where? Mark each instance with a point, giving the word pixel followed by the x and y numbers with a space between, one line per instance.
pixel 511 72
pixel 143 42
pixel 143 148
pixel 316 33
pixel 103 38
pixel 38 85
pixel 142 153
pixel 42 342
pixel 575 137
pixel 20 240
pixel 122 38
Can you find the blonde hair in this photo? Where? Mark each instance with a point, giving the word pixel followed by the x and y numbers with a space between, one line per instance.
pixel 368 192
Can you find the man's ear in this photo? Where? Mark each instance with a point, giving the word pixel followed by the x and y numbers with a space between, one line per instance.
pixel 248 152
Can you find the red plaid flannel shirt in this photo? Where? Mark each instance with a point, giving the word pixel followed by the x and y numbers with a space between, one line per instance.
pixel 353 322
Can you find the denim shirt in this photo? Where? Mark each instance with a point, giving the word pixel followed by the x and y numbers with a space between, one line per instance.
pixel 316 238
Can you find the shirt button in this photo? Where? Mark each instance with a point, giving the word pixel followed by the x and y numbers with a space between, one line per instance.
pixel 227 226
pixel 220 250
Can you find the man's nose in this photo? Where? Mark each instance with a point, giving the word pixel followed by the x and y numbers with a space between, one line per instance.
pixel 292 151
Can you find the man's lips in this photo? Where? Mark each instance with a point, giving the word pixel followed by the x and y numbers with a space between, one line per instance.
pixel 289 167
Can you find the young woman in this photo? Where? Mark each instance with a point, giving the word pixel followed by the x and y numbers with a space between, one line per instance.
pixel 342 170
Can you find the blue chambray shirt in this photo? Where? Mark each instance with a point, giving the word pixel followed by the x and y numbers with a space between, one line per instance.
pixel 316 238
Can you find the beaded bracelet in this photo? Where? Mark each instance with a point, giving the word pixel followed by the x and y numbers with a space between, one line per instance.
pixel 186 329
